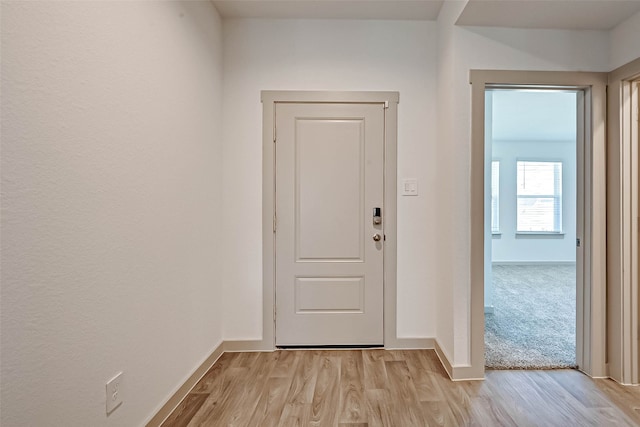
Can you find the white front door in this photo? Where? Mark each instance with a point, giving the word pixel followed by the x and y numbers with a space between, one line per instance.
pixel 329 246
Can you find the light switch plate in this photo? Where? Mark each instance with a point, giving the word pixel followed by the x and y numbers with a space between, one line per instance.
pixel 410 187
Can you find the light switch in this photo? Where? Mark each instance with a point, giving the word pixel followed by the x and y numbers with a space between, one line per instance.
pixel 410 187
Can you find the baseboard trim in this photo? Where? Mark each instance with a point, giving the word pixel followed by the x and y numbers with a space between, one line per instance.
pixel 172 403
pixel 533 263
pixel 455 373
pixel 466 373
pixel 397 344
pixel 444 360
pixel 249 345
pixel 412 344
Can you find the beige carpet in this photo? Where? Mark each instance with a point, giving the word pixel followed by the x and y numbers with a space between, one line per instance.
pixel 533 325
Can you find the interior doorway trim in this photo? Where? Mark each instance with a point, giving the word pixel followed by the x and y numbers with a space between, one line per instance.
pixel 591 304
pixel 269 101
pixel 622 214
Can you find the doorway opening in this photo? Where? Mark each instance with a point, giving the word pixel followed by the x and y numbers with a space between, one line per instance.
pixel 531 226
pixel 591 255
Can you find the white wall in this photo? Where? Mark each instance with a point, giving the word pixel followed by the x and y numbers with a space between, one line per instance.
pixel 507 247
pixel 111 190
pixel 625 42
pixel 462 49
pixel 329 55
pixel 446 157
pixel 115 242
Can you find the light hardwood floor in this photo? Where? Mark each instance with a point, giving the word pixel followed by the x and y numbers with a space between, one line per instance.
pixel 394 388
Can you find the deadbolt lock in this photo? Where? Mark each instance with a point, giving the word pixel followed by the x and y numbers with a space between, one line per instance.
pixel 377 216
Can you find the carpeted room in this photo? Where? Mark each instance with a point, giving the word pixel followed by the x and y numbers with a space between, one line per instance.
pixel 531 292
pixel 533 323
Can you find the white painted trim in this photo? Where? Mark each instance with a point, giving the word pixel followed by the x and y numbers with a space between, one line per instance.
pixel 314 97
pixel 401 344
pixel 634 310
pixel 183 390
pixel 622 238
pixel 236 346
pixel 444 359
pixel 269 99
pixel 457 372
pixel 268 236
pixel 541 263
pixel 413 344
pixel 591 321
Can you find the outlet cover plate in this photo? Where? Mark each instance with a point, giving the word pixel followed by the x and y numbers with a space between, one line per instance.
pixel 114 392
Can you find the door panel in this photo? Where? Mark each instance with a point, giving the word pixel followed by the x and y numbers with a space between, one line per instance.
pixel 329 295
pixel 329 269
pixel 329 168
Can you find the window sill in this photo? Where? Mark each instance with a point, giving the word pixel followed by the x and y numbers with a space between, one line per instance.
pixel 538 235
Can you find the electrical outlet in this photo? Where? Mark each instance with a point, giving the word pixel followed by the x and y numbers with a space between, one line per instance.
pixel 114 393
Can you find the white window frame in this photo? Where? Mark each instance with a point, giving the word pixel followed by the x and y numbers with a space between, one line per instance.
pixel 495 196
pixel 556 196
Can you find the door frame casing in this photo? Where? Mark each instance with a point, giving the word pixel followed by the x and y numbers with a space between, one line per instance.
pixel 593 309
pixel 269 100
pixel 622 247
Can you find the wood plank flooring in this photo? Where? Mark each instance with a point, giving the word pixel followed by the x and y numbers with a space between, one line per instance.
pixel 394 388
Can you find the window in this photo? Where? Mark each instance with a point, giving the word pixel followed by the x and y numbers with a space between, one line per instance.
pixel 539 197
pixel 495 196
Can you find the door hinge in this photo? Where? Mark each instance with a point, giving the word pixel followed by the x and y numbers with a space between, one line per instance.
pixel 578 242
pixel 275 222
pixel 275 134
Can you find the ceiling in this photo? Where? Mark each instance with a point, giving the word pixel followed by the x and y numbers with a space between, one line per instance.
pixel 426 10
pixel 558 14
pixel 526 115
